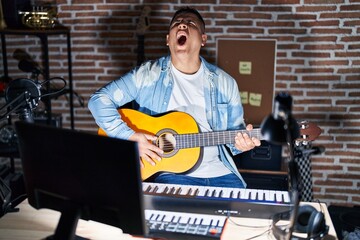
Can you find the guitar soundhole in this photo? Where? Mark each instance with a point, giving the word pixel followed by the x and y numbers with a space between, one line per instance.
pixel 166 141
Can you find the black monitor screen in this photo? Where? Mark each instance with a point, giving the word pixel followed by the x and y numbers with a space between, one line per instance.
pixel 82 175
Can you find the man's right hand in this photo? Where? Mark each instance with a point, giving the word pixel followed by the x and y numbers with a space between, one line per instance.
pixel 147 150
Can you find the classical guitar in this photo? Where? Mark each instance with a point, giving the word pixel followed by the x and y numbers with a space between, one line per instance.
pixel 179 137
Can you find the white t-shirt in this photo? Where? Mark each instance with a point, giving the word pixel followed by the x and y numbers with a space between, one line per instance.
pixel 188 96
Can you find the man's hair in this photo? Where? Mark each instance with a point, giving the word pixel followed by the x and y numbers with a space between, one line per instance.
pixel 188 10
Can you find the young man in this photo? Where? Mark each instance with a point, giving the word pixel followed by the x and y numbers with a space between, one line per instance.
pixel 182 81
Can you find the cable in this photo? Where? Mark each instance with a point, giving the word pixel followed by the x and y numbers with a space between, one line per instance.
pixel 248 226
pixel 268 230
pixel 56 92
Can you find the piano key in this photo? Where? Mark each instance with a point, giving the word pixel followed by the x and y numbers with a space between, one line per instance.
pixel 167 218
pixel 217 192
pixel 226 193
pixel 230 201
pixel 271 195
pixel 279 197
pixel 286 197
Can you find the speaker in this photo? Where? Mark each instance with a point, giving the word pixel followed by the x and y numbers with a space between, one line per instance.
pixel 309 222
pixel 267 156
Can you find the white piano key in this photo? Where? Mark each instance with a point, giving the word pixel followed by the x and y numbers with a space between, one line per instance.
pixel 185 190
pixel 168 218
pixel 226 192
pixel 222 222
pixel 251 194
pixel 215 222
pixel 175 218
pixel 266 195
pixel 198 220
pixel 235 193
pixel 202 191
pixel 286 197
pixel 279 196
pixel 212 191
pixel 183 219
pixel 260 195
pixel 242 194
pixel 271 195
pixel 206 220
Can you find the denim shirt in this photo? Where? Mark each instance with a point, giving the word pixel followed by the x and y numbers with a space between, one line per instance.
pixel 151 84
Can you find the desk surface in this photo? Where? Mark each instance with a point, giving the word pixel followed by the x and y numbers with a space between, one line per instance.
pixel 30 224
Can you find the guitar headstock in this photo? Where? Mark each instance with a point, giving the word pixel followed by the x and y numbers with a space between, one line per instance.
pixel 143 24
pixel 308 132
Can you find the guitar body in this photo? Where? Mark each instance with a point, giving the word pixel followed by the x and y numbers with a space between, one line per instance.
pixel 174 160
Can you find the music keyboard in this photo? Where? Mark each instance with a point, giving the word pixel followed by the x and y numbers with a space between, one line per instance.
pixel 216 200
pixel 179 225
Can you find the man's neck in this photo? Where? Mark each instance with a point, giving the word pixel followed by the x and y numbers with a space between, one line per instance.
pixel 187 65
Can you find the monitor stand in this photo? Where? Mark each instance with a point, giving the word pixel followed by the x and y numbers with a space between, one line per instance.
pixel 67 224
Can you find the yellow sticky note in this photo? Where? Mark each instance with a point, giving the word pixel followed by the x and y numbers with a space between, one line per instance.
pixel 244 97
pixel 245 67
pixel 255 99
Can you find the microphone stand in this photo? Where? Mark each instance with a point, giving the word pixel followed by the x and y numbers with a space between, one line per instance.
pixel 26 113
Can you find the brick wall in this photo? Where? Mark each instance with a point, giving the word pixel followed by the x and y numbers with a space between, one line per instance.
pixel 318 63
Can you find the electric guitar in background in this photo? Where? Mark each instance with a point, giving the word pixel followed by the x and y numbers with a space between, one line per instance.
pixel 179 137
pixel 142 26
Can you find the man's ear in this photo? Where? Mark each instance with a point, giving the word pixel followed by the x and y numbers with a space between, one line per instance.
pixel 204 39
pixel 167 39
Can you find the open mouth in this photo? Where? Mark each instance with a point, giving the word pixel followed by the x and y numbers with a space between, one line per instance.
pixel 181 40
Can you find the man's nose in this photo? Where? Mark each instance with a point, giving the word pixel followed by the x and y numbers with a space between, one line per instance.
pixel 183 25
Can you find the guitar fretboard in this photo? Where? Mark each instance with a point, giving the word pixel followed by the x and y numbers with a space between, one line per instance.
pixel 212 138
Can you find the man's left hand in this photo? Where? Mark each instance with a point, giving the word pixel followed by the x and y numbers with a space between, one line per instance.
pixel 243 142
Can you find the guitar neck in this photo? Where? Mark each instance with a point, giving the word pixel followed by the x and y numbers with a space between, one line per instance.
pixel 212 138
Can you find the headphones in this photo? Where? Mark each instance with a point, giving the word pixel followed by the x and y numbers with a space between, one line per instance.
pixel 308 221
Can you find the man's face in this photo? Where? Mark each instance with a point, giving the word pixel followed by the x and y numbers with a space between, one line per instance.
pixel 186 34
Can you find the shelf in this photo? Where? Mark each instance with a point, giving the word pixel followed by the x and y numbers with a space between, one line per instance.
pixel 43 36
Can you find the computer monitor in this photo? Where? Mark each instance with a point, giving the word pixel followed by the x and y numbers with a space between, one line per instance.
pixel 82 175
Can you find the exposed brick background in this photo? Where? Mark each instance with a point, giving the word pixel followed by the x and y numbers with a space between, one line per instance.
pixel 318 63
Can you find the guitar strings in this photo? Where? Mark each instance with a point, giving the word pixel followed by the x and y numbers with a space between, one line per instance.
pixel 204 139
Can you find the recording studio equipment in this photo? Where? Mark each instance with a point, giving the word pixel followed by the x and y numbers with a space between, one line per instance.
pixel 267 157
pixel 12 190
pixel 8 134
pixel 281 128
pixel 308 221
pixel 22 96
pixel 30 67
pixel 5 197
pixel 305 152
pixel 27 64
pixel 179 225
pixel 60 175
pixel 216 200
pixel 20 54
